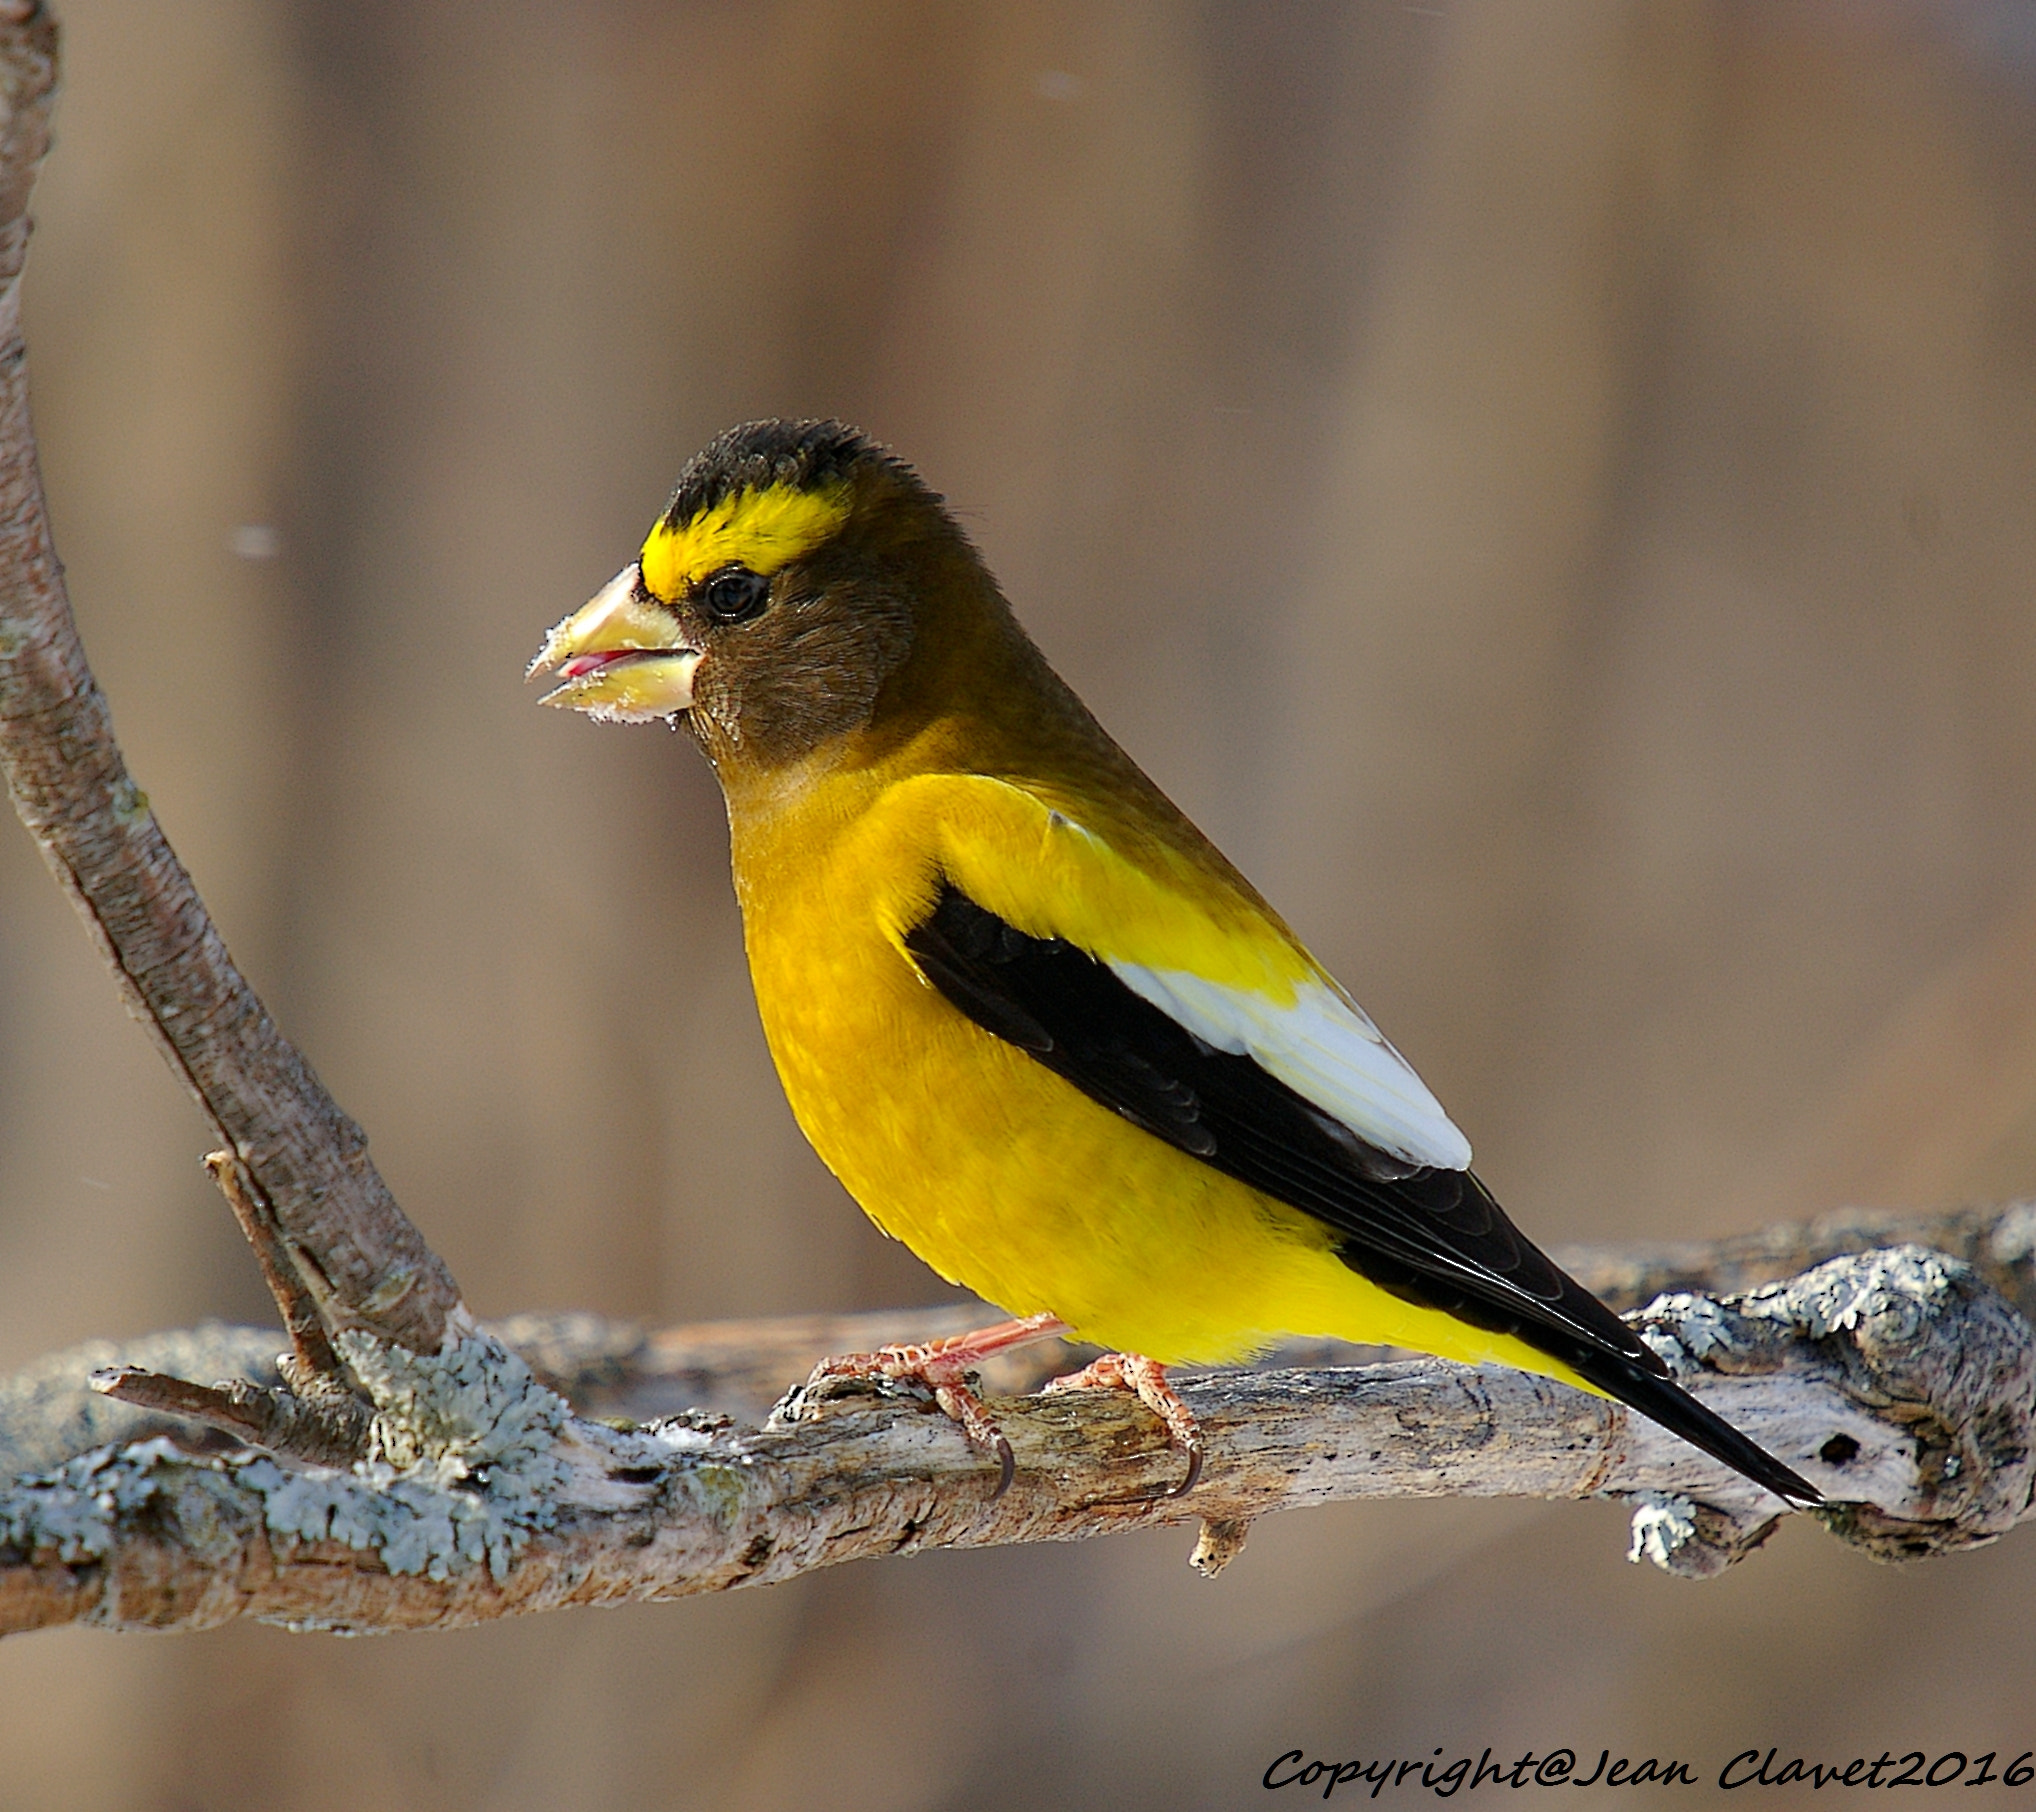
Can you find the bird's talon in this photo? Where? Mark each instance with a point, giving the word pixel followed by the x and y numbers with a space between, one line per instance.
pixel 943 1369
pixel 1146 1379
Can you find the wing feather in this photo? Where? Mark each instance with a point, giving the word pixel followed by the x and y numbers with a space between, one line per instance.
pixel 1432 1235
pixel 1321 1045
pixel 1184 932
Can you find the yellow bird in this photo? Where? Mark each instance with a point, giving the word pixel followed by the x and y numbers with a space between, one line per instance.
pixel 1032 1019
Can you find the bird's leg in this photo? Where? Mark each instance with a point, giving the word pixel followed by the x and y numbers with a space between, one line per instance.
pixel 1147 1377
pixel 943 1366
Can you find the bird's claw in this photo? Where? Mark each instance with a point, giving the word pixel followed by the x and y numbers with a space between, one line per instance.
pixel 1146 1378
pixel 944 1374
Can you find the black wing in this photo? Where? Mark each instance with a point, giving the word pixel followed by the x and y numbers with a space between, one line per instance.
pixel 1432 1237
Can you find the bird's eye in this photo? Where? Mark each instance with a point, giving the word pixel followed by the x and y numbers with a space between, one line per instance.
pixel 735 594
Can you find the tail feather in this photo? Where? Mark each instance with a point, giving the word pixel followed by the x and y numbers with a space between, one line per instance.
pixel 1663 1401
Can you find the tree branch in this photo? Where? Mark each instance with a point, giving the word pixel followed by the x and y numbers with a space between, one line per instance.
pixel 308 1174
pixel 1898 1380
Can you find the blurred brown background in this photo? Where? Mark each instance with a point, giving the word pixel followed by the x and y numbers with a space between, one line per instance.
pixel 1545 482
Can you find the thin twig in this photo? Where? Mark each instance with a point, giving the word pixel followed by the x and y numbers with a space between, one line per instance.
pixel 178 1397
pixel 310 1345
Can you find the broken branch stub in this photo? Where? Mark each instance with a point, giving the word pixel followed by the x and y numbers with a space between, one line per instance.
pixel 1916 1387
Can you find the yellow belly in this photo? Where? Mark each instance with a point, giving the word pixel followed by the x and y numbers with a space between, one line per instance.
pixel 1008 1180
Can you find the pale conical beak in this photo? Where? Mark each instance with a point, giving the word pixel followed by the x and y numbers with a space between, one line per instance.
pixel 621 656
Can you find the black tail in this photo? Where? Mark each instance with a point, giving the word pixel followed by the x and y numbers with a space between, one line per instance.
pixel 1661 1400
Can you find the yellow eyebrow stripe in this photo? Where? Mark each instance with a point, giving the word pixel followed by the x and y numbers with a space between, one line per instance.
pixel 762 530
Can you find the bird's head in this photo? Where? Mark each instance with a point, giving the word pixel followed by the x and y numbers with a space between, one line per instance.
pixel 795 573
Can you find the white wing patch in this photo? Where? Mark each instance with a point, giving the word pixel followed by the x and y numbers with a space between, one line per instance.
pixel 1323 1047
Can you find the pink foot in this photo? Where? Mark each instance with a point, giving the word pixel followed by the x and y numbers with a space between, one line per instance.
pixel 1147 1377
pixel 943 1367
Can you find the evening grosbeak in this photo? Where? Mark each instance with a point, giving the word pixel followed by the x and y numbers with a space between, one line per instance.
pixel 1039 1027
